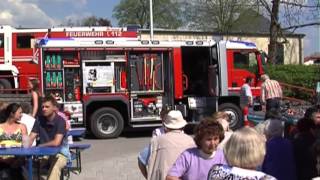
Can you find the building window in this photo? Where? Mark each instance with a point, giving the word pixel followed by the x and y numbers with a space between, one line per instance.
pixel 24 41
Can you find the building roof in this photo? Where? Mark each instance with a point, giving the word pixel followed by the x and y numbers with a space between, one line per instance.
pixel 315 57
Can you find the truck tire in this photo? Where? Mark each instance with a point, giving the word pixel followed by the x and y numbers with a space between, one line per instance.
pixel 106 123
pixel 5 84
pixel 235 113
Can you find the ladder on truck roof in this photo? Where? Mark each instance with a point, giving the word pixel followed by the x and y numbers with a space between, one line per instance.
pixel 119 42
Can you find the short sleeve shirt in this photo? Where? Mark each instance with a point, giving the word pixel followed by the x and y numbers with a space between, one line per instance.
pixel 47 130
pixel 190 165
pixel 247 90
pixel 245 94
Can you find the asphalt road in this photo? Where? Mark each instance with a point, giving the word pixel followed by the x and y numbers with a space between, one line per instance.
pixel 113 159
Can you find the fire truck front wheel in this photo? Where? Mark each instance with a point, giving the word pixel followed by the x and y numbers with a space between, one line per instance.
pixel 234 113
pixel 106 123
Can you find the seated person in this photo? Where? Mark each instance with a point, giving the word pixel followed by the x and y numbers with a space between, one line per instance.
pixel 27 119
pixel 51 129
pixel 11 135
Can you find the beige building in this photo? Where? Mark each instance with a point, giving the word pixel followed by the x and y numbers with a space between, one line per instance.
pixel 289 53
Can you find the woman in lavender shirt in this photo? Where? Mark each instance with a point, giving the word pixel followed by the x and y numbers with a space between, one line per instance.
pixel 195 163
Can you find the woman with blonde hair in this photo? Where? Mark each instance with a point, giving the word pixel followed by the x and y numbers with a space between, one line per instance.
pixel 244 153
pixel 223 118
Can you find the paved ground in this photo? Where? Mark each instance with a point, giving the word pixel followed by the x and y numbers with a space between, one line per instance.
pixel 113 159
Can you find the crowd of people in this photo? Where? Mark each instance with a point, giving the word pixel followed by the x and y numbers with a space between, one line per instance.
pixel 215 152
pixel 263 152
pixel 37 123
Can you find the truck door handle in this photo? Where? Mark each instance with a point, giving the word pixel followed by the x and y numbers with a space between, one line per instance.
pixel 185 81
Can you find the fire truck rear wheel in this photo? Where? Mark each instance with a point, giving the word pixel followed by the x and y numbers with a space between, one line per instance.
pixel 5 84
pixel 234 113
pixel 106 123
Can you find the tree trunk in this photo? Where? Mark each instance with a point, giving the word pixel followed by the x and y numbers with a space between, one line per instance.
pixel 274 30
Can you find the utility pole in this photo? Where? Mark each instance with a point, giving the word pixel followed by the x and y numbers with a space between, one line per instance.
pixel 151 21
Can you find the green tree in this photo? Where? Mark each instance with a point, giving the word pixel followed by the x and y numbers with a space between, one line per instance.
pixel 286 16
pixel 88 21
pixel 166 13
pixel 228 15
pixel 217 15
pixel 95 21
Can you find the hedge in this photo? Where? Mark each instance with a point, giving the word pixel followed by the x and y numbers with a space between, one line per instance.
pixel 298 75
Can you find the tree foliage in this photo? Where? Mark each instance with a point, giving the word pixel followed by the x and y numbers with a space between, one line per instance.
pixel 224 16
pixel 95 21
pixel 166 13
pixel 89 21
pixel 298 75
pixel 218 15
pixel 288 15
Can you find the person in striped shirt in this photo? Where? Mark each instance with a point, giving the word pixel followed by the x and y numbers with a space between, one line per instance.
pixel 271 93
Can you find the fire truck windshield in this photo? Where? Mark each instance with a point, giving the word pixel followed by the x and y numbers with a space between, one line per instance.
pixel 246 60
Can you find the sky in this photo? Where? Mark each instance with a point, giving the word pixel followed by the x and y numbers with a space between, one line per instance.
pixel 48 13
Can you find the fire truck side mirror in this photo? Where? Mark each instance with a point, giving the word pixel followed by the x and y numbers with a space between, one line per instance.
pixel 212 80
pixel 264 57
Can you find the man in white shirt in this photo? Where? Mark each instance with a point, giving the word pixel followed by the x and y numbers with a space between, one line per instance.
pixel 246 99
pixel 27 119
pixel 246 94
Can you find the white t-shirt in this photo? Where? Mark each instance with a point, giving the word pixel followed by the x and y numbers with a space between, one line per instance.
pixel 28 121
pixel 247 90
pixel 245 93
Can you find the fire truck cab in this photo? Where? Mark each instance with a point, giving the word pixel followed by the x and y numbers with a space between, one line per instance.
pixel 8 70
pixel 109 83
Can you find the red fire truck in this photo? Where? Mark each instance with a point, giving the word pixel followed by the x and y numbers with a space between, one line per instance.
pixel 107 78
pixel 107 83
